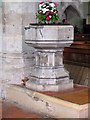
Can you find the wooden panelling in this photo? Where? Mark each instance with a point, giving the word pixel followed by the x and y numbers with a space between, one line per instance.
pixel 77 62
pixel 79 74
pixel 78 95
pixel 78 53
pixel 82 37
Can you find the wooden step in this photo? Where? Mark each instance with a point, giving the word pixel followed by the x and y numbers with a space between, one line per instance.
pixel 66 104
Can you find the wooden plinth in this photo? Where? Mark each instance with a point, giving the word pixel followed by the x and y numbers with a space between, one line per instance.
pixel 67 104
pixel 78 95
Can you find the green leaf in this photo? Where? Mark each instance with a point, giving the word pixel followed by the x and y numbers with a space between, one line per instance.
pixel 41 17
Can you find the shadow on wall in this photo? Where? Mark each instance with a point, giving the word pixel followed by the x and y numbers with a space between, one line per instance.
pixel 73 17
pixel 77 21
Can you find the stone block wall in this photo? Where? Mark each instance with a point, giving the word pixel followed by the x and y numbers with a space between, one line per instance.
pixel 15 60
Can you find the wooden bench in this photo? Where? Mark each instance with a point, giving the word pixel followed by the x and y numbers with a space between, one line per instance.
pixel 77 62
pixel 80 74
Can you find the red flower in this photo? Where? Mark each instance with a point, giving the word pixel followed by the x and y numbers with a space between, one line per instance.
pixel 41 2
pixel 48 12
pixel 47 18
pixel 51 13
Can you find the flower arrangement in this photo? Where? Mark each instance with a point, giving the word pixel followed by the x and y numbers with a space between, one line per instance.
pixel 47 12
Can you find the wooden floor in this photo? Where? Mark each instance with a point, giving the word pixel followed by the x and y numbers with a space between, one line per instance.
pixel 0 109
pixel 78 95
pixel 11 111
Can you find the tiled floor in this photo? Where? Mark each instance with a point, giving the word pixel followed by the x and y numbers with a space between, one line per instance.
pixel 11 111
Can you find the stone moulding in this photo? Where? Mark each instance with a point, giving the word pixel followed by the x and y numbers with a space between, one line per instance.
pixel 49 41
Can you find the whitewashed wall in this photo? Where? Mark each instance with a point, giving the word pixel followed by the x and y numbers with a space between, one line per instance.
pixel 16 58
pixel 0 49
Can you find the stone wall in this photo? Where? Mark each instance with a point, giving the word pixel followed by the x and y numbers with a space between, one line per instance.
pixel 16 58
pixel 28 16
pixel 0 46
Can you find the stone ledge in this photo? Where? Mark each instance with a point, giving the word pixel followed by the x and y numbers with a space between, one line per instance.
pixel 45 104
pixel 50 87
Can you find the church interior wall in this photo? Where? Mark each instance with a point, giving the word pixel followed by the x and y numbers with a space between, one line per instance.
pixel 0 46
pixel 0 27
pixel 73 11
pixel 16 57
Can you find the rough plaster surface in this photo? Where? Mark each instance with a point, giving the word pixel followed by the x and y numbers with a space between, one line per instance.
pixel 14 57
